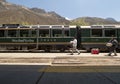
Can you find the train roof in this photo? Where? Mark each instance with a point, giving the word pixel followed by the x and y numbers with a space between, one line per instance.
pixel 52 26
pixel 56 26
pixel 101 26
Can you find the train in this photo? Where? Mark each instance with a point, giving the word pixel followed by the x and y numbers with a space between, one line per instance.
pixel 56 37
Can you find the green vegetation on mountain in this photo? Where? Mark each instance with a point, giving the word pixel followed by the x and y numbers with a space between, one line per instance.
pixel 93 21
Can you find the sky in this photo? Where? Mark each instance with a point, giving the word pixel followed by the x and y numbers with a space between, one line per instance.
pixel 76 8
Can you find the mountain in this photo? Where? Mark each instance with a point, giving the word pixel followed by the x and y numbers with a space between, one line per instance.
pixel 17 14
pixel 111 19
pixel 12 13
pixel 54 17
pixel 93 21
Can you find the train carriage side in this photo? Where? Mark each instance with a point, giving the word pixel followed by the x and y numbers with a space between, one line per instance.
pixel 58 38
pixel 98 35
pixel 16 37
pixel 42 37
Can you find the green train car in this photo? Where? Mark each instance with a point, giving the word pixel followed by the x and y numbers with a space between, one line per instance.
pixel 40 37
pixel 96 36
pixel 55 37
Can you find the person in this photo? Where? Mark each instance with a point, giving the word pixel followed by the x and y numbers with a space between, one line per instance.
pixel 74 46
pixel 112 48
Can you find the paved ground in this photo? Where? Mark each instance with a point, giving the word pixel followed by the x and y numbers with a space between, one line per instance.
pixel 59 59
pixel 39 74
pixel 59 68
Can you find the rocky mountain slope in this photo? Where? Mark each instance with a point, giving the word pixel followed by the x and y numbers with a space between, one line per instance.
pixel 17 14
pixel 12 14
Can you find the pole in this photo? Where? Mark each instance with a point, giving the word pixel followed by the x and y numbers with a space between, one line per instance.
pixel 37 37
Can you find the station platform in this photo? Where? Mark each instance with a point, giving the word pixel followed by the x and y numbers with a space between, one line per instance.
pixel 59 59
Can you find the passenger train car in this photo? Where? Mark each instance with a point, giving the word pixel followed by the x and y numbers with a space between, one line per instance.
pixel 97 36
pixel 55 37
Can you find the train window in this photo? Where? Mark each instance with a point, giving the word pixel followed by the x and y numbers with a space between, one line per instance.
pixel 85 32
pixel 57 32
pixel 2 33
pixel 44 26
pixel 33 33
pixel 110 32
pixel 24 33
pixel 11 25
pixel 57 26
pixel 12 33
pixel 109 26
pixel 66 33
pixel 44 33
pixel 96 32
pixel 96 26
